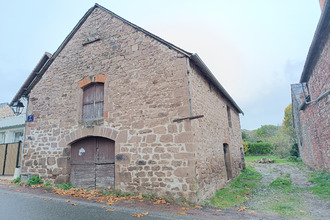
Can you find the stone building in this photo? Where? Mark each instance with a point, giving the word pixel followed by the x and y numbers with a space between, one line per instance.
pixel 310 98
pixel 116 105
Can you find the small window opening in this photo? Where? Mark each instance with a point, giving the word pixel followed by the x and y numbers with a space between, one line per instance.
pixel 229 116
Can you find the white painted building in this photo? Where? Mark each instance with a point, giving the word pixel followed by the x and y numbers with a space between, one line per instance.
pixel 11 126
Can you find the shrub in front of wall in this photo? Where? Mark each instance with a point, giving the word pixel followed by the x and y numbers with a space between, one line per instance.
pixel 34 181
pixel 246 148
pixel 261 148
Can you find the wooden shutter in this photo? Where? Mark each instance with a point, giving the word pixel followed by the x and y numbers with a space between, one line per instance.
pixel 93 100
pixel 98 104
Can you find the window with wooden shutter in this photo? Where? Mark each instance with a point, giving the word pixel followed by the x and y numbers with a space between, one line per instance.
pixel 93 99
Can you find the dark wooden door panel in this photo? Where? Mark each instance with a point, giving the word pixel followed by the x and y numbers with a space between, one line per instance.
pixel 83 175
pixel 93 163
pixel 83 151
pixel 105 176
pixel 106 151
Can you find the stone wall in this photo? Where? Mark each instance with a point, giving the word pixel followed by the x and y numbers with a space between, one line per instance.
pixel 315 118
pixel 5 111
pixel 212 131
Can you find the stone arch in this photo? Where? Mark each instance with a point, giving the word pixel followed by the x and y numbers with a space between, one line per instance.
pixel 80 133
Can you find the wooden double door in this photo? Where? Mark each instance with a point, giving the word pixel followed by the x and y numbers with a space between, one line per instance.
pixel 93 163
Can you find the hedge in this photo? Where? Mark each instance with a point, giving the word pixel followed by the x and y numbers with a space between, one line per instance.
pixel 261 148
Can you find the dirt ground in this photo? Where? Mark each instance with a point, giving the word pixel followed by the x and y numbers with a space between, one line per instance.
pixel 304 204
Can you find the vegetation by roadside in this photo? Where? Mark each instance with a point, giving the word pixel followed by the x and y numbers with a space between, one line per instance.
pixel 280 195
pixel 321 186
pixel 107 196
pixel 239 191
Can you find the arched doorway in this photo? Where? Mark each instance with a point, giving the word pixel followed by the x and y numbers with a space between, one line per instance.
pixel 93 163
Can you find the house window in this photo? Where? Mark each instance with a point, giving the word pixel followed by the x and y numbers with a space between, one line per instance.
pixel 2 137
pixel 229 116
pixel 18 136
pixel 93 99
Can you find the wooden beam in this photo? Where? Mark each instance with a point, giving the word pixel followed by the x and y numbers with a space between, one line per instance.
pixel 188 118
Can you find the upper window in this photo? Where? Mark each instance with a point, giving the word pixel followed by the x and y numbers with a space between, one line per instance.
pixel 229 116
pixel 2 137
pixel 18 136
pixel 93 100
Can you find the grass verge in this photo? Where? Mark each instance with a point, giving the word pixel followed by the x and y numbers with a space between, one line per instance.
pixel 239 191
pixel 321 186
pixel 275 158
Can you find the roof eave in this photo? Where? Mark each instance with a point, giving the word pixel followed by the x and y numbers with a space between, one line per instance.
pixel 31 78
pixel 321 36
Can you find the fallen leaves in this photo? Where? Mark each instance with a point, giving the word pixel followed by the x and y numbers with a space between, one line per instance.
pixel 185 209
pixel 160 201
pixel 37 186
pixel 141 214
pixel 67 200
pixel 218 210
pixel 198 207
pixel 47 199
pixel 74 204
pixel 242 208
pixel 180 213
pixel 109 210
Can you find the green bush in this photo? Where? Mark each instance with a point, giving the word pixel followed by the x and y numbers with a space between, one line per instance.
pixel 294 159
pixel 64 186
pixel 245 146
pixel 17 180
pixel 34 181
pixel 48 185
pixel 294 150
pixel 261 148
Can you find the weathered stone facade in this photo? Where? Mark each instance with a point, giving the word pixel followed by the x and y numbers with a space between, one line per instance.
pixel 311 98
pixel 146 87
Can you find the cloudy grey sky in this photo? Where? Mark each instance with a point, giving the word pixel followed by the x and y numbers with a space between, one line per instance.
pixel 255 48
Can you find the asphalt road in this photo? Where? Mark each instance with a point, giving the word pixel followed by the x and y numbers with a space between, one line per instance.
pixel 16 205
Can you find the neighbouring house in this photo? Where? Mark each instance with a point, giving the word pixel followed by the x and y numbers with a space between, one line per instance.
pixel 311 98
pixel 11 126
pixel 11 136
pixel 118 106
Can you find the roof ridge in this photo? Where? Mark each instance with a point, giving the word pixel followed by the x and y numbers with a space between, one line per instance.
pixel 145 31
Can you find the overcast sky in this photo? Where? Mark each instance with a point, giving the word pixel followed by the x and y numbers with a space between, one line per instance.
pixel 255 48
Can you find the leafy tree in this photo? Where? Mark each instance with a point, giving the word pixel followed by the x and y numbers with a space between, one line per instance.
pixel 244 135
pixel 267 131
pixel 287 125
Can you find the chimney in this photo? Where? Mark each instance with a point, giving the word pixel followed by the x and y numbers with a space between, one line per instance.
pixel 321 4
